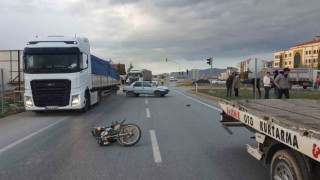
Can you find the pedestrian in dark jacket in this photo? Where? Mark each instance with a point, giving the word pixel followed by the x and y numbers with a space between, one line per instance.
pixel 236 85
pixel 256 87
pixel 282 82
pixel 229 85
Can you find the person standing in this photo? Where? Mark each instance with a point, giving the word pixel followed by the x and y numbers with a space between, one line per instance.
pixel 276 90
pixel 162 81
pixel 229 85
pixel 257 86
pixel 267 85
pixel 282 82
pixel 236 85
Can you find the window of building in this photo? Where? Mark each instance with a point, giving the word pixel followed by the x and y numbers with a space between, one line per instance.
pixel 290 55
pixel 305 61
pixel 314 60
pixel 309 60
pixel 309 51
pixel 289 62
pixel 314 52
pixel 306 52
pixel 285 63
pixel 285 55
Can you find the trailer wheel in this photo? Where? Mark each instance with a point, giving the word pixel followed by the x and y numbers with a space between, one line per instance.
pixel 286 165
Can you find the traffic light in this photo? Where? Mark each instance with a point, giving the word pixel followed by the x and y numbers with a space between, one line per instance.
pixel 187 71
pixel 209 61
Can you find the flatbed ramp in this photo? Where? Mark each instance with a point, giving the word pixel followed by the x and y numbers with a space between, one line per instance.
pixel 297 114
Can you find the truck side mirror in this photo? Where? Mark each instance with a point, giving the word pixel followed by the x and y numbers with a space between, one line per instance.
pixel 85 61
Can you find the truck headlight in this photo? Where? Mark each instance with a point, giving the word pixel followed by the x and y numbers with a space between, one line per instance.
pixel 28 101
pixel 75 100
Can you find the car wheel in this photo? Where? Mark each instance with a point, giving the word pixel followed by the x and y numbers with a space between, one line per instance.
pixel 157 93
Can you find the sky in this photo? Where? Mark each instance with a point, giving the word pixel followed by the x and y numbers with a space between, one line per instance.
pixel 146 32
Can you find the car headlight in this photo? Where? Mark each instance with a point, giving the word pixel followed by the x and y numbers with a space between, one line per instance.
pixel 75 100
pixel 28 101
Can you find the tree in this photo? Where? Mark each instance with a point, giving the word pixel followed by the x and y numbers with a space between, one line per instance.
pixel 130 67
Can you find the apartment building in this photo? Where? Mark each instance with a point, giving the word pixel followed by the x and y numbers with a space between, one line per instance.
pixel 304 54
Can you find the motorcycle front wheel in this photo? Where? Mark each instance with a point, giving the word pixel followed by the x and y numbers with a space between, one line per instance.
pixel 129 135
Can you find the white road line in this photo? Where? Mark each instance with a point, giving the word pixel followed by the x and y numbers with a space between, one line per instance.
pixel 199 101
pixel 148 113
pixel 146 101
pixel 30 135
pixel 155 147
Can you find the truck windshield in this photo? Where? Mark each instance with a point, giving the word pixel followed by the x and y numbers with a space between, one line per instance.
pixel 135 75
pixel 52 63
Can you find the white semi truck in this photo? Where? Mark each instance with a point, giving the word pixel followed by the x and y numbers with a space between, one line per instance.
pixel 287 133
pixel 139 75
pixel 61 74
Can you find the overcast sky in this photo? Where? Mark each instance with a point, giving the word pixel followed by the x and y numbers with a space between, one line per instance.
pixel 145 32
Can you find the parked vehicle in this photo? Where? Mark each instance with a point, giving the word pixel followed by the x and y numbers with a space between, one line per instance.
pixel 173 79
pixel 139 75
pixel 202 81
pixel 125 134
pixel 287 133
pixel 219 81
pixel 144 87
pixel 61 74
pixel 304 77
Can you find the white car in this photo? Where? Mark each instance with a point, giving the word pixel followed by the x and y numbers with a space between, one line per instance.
pixel 172 79
pixel 219 81
pixel 144 87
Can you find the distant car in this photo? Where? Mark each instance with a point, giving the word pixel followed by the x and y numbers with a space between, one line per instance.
pixel 219 81
pixel 172 79
pixel 246 81
pixel 202 81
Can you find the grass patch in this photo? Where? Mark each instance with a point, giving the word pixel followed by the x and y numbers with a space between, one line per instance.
pixel 248 94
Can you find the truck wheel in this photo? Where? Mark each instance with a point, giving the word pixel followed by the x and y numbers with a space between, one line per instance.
pixel 86 107
pixel 157 93
pixel 136 94
pixel 285 164
pixel 305 87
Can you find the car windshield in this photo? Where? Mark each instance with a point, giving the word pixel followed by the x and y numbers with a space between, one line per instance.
pixel 51 63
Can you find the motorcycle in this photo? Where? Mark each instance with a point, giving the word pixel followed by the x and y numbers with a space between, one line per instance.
pixel 125 134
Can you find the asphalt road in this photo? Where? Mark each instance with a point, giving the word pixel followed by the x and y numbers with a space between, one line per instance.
pixel 178 142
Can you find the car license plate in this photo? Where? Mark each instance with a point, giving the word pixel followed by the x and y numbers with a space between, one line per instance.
pixel 51 107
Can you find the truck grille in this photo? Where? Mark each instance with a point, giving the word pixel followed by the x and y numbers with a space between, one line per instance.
pixel 51 92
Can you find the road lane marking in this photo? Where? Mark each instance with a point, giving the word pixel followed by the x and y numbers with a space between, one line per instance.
pixel 199 101
pixel 146 101
pixel 30 135
pixel 148 113
pixel 155 147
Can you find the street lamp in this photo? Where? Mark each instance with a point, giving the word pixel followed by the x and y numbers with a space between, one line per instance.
pixel 174 62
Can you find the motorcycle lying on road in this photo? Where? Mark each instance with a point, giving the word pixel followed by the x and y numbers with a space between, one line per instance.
pixel 125 134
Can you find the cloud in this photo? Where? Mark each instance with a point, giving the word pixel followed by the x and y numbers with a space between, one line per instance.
pixel 146 32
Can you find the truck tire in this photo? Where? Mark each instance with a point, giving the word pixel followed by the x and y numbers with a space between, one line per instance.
pixel 87 105
pixel 157 93
pixel 286 164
